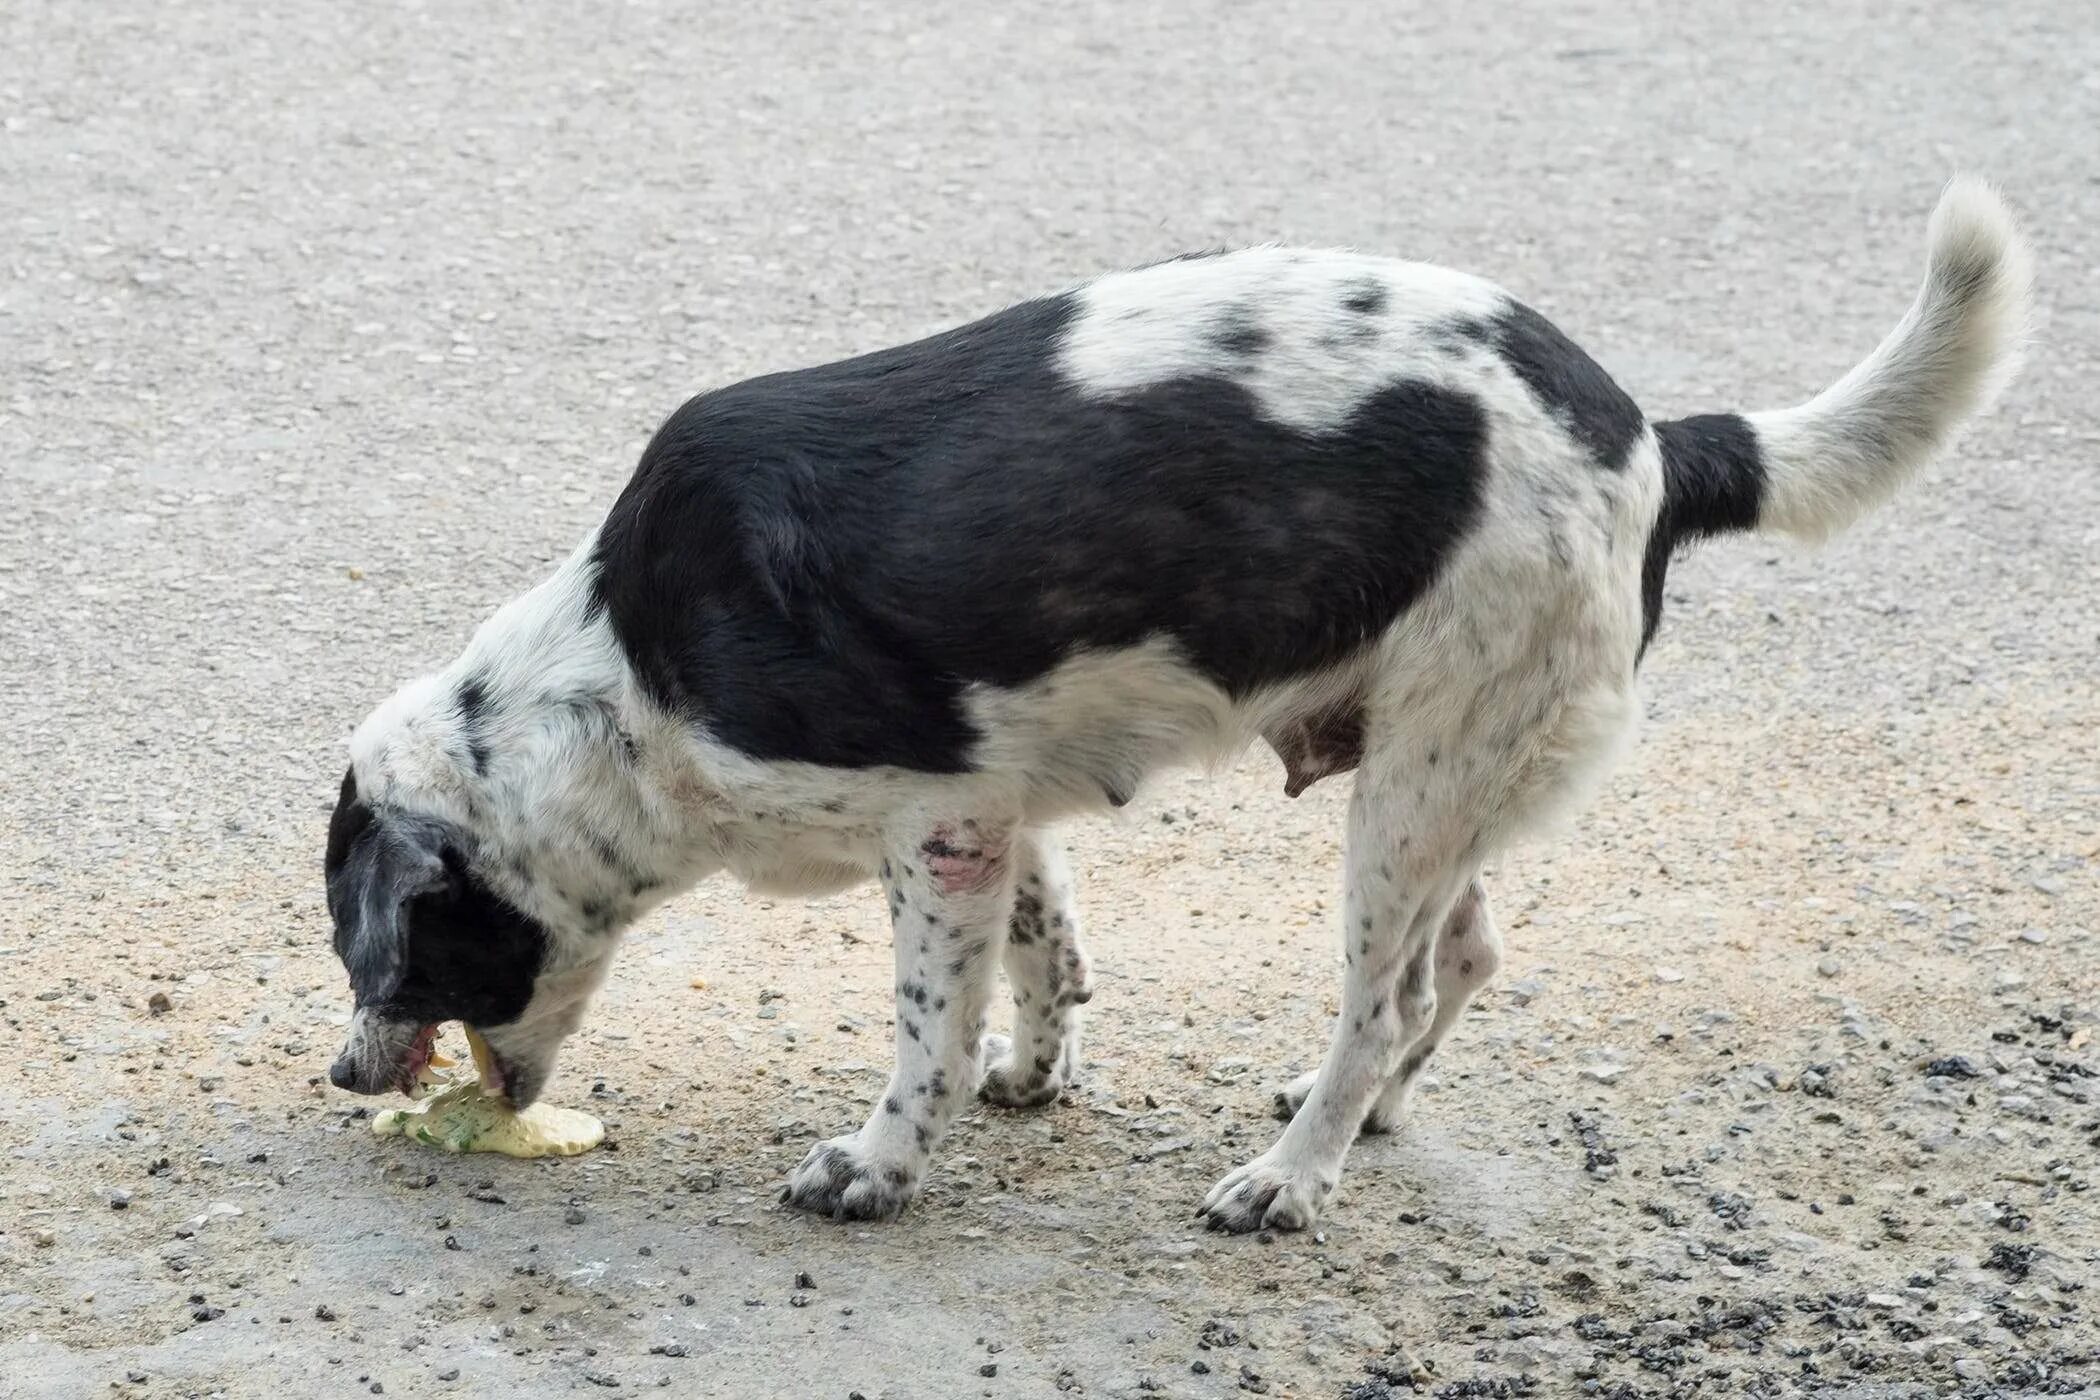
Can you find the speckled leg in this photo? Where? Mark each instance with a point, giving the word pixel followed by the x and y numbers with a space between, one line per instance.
pixel 1050 978
pixel 1410 856
pixel 951 895
pixel 1468 952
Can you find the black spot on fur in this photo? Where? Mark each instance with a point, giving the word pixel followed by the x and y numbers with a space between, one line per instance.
pixel 1367 297
pixel 890 1105
pixel 821 564
pixel 473 723
pixel 1713 482
pixel 1238 333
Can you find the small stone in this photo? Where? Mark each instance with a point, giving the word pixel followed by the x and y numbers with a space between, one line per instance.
pixel 2051 886
pixel 2033 935
pixel 1953 1067
pixel 2007 981
pixel 574 1215
pixel 159 1004
pixel 1607 1073
pixel 1970 1368
pixel 1668 975
pixel 1526 990
pixel 324 1312
pixel 989 1368
pixel 449 1374
pixel 804 1282
pixel 42 1239
pixel 1884 1302
pixel 119 1199
pixel 1829 967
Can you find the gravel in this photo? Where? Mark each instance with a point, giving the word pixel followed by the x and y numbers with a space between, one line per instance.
pixel 328 330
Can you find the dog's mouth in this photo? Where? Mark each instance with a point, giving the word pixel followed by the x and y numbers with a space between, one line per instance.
pixel 490 1068
pixel 410 1070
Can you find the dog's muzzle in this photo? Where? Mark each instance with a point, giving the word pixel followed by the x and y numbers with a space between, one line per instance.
pixel 381 1053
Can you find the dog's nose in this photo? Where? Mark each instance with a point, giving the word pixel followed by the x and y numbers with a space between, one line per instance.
pixel 343 1073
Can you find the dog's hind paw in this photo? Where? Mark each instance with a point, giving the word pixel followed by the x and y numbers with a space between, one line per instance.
pixel 1011 1084
pixel 1291 1097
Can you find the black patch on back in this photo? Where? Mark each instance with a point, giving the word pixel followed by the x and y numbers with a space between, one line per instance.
pixel 1573 387
pixel 473 714
pixel 1367 297
pixel 1713 483
pixel 818 563
pixel 1238 333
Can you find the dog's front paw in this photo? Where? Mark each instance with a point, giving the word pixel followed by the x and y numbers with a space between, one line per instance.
pixel 1266 1194
pixel 1011 1084
pixel 839 1180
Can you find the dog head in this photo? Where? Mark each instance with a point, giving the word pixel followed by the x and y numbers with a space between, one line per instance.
pixel 426 939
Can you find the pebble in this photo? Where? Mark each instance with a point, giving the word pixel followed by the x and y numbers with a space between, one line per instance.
pixel 2033 935
pixel 574 1215
pixel 1526 990
pixel 1829 967
pixel 1668 975
pixel 1971 1369
pixel 159 1004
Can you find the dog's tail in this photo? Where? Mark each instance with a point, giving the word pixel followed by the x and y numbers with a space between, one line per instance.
pixel 1811 470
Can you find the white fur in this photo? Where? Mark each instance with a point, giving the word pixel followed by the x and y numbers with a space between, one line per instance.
pixel 1849 448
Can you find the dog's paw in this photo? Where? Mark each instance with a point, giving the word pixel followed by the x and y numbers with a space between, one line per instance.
pixel 1291 1097
pixel 1012 1085
pixel 1266 1194
pixel 836 1179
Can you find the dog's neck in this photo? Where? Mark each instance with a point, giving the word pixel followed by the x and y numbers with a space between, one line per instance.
pixel 574 790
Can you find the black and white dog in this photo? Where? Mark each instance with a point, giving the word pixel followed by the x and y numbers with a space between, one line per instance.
pixel 898 616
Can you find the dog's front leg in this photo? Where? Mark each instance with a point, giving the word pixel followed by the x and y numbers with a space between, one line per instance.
pixel 951 894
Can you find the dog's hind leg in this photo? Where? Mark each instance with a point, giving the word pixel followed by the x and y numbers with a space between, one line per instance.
pixel 1050 979
pixel 1468 952
pixel 1415 842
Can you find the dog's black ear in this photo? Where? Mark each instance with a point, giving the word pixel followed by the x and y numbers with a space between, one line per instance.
pixel 378 863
